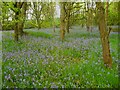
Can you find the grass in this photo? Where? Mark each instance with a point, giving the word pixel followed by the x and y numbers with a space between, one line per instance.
pixel 41 60
pixel 39 34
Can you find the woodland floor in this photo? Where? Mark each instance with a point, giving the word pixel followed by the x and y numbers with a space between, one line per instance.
pixel 41 60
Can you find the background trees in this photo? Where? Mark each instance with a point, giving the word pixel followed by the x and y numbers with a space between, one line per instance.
pixel 90 15
pixel 21 15
pixel 38 12
pixel 113 13
pixel 78 12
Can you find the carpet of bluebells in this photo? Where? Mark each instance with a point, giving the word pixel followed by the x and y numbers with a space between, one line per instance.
pixel 40 59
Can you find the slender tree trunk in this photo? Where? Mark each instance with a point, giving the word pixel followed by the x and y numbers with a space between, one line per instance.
pixel 104 34
pixel 37 14
pixel 3 22
pixel 88 17
pixel 53 24
pixel 107 5
pixel 62 21
pixel 91 19
pixel 89 22
pixel 67 25
pixel 68 17
pixel 16 31
pixel 52 13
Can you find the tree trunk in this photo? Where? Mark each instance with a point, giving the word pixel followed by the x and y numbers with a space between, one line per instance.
pixel 18 6
pixel 39 25
pixel 23 17
pixel 104 35
pixel 67 25
pixel 88 17
pixel 89 21
pixel 62 21
pixel 52 12
pixel 107 5
pixel 68 17
pixel 16 36
pixel 53 24
pixel 38 22
pixel 37 15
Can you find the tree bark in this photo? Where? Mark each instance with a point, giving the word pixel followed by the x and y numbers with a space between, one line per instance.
pixel 53 24
pixel 38 12
pixel 68 17
pixel 23 17
pixel 16 36
pixel 67 25
pixel 89 18
pixel 62 21
pixel 104 35
pixel 52 12
pixel 107 5
pixel 16 28
pixel 17 6
pixel 39 25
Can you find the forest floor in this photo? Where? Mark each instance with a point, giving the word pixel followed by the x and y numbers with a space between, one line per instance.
pixel 41 60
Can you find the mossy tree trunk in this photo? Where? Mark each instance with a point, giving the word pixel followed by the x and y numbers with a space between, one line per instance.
pixel 16 28
pixel 22 19
pixel 52 8
pixel 68 17
pixel 104 34
pixel 17 10
pixel 62 20
pixel 89 20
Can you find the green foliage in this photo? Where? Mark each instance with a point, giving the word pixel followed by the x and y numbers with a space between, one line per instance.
pixel 30 24
pixel 8 25
pixel 45 24
pixel 57 22
pixel 113 14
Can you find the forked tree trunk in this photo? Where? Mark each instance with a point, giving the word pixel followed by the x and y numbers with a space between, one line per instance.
pixel 22 16
pixel 62 21
pixel 104 35
pixel 37 14
pixel 17 5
